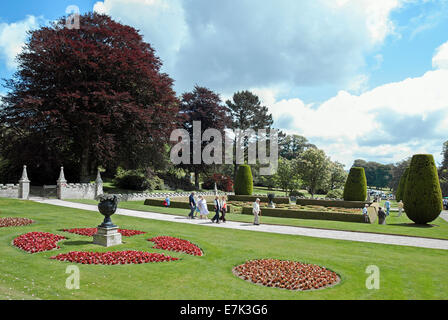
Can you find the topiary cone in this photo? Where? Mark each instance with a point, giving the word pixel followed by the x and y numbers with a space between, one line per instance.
pixel 422 195
pixel 244 182
pixel 356 185
pixel 401 186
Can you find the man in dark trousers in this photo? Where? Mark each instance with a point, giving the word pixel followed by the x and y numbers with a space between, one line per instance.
pixel 192 203
pixel 218 208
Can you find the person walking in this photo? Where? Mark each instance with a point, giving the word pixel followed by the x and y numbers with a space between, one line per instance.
pixel 387 205
pixel 223 209
pixel 257 212
pixel 217 210
pixel 192 203
pixel 203 209
pixel 400 208
pixel 365 213
pixel 197 212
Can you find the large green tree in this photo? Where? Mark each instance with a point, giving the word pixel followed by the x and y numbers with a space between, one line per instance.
pixel 313 168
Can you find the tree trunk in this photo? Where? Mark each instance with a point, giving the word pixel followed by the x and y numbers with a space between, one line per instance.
pixel 85 165
pixel 196 181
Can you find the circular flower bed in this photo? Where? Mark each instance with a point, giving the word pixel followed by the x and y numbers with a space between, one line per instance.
pixel 175 244
pixel 34 242
pixel 14 222
pixel 90 232
pixel 289 275
pixel 113 258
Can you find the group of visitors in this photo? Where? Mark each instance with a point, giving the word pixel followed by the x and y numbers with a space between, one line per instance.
pixel 198 206
pixel 382 215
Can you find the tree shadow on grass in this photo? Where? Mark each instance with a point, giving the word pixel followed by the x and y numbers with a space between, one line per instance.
pixel 77 243
pixel 414 225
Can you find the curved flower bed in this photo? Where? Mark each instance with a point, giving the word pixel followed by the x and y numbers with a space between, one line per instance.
pixel 177 245
pixel 90 232
pixel 113 258
pixel 34 242
pixel 289 275
pixel 14 222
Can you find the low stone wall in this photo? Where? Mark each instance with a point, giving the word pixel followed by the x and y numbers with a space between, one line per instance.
pixel 312 215
pixel 264 198
pixel 9 191
pixel 181 205
pixel 78 191
pixel 177 195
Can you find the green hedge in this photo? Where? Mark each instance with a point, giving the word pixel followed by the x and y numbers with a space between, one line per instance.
pixel 422 195
pixel 402 185
pixel 181 205
pixel 313 215
pixel 244 182
pixel 356 185
pixel 279 200
pixel 332 203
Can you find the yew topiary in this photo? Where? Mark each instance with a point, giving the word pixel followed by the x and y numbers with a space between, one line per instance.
pixel 422 195
pixel 244 182
pixel 402 185
pixel 356 185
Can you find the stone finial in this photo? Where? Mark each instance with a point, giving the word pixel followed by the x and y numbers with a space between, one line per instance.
pixel 24 175
pixel 62 176
pixel 98 177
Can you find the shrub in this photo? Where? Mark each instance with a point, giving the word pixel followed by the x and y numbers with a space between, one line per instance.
pixel 177 181
pixel 138 180
pixel 356 185
pixel 422 196
pixel 296 193
pixel 402 185
pixel 223 183
pixel 335 194
pixel 244 183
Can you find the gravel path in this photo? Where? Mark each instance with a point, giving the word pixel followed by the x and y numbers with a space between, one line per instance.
pixel 290 230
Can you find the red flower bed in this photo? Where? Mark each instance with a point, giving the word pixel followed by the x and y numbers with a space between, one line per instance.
pixel 175 244
pixel 113 258
pixel 90 232
pixel 14 222
pixel 289 275
pixel 34 242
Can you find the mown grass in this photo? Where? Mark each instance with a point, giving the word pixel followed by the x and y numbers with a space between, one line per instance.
pixel 405 272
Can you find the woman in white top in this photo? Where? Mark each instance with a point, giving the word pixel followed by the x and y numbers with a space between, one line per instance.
pixel 202 205
pixel 257 212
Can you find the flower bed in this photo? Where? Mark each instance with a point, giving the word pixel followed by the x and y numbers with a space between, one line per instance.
pixel 14 222
pixel 289 275
pixel 90 232
pixel 177 245
pixel 113 258
pixel 34 242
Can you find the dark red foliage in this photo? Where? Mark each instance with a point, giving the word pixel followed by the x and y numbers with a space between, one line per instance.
pixel 113 258
pixel 34 242
pixel 289 275
pixel 175 244
pixel 90 232
pixel 85 97
pixel 14 222
pixel 223 182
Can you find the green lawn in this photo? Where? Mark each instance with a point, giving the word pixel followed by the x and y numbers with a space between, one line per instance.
pixel 406 273
pixel 395 225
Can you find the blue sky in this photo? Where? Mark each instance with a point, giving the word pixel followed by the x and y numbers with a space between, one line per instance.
pixel 359 78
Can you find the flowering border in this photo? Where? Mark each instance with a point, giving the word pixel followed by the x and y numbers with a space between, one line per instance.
pixel 15 222
pixel 176 245
pixel 113 258
pixel 34 242
pixel 90 232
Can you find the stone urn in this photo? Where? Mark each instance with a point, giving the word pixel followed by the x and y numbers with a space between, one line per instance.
pixel 271 197
pixel 108 207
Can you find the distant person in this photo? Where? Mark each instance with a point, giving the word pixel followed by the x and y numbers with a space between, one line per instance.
pixel 365 213
pixel 257 212
pixel 197 212
pixel 203 209
pixel 387 205
pixel 167 201
pixel 193 205
pixel 223 209
pixel 400 208
pixel 381 216
pixel 217 210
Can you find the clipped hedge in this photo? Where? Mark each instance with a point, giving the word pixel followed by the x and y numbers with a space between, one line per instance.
pixel 312 215
pixel 422 195
pixel 332 203
pixel 244 182
pixel 181 205
pixel 279 200
pixel 356 185
pixel 402 185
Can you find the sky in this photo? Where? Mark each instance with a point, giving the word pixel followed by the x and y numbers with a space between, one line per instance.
pixel 360 79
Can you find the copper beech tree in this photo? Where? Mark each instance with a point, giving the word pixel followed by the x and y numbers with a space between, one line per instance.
pixel 87 97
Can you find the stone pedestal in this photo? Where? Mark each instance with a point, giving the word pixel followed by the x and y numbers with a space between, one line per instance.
pixel 107 237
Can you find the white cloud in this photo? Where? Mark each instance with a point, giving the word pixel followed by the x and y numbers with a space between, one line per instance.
pixel 13 37
pixel 440 59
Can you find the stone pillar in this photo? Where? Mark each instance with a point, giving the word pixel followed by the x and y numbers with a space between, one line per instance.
pixel 24 185
pixel 98 185
pixel 62 184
